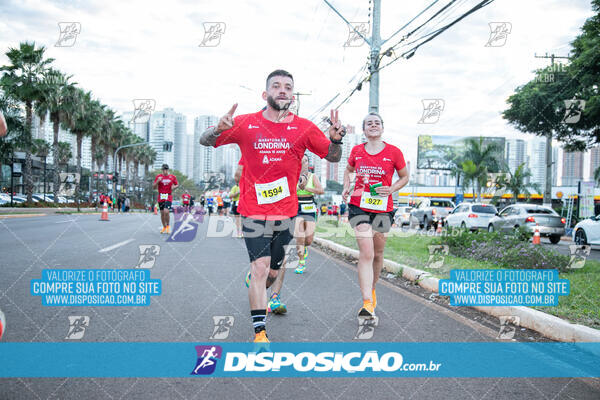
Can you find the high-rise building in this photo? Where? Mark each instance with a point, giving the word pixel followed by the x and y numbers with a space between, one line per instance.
pixel 162 130
pixel 189 155
pixel 141 129
pixel 203 155
pixel 179 145
pixel 516 153
pixel 537 161
pixel 45 131
pixel 572 171
pixel 594 160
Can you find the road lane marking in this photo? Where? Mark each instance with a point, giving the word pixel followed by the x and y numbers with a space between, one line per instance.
pixel 63 222
pixel 116 245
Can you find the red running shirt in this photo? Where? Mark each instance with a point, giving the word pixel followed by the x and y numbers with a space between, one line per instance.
pixel 272 155
pixel 372 169
pixel 185 198
pixel 164 187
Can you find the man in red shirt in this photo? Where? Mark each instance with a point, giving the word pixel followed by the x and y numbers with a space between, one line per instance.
pixel 272 142
pixel 185 200
pixel 165 183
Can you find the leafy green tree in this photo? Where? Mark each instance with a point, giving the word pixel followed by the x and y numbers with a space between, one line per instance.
pixel 21 81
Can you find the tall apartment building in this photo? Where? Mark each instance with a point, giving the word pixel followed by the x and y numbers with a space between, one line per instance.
pixel 572 168
pixel 203 156
pixel 162 129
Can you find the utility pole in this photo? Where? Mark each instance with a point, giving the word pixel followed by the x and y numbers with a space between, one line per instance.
pixel 374 64
pixel 297 95
pixel 549 162
pixel 375 45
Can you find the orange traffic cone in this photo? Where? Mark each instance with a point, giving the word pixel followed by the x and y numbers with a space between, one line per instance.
pixel 536 235
pixel 155 211
pixel 104 216
pixel 439 227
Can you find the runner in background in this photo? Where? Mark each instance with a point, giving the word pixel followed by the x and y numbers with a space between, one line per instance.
pixel 371 205
pixel 219 201
pixel 165 183
pixel 186 200
pixel 343 211
pixel 234 194
pixel 226 202
pixel 306 220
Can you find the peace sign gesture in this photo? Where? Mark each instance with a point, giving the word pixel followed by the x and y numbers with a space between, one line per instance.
pixel 336 130
pixel 226 121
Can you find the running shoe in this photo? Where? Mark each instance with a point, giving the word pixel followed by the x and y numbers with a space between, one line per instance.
pixel 367 311
pixel 162 230
pixel 374 299
pixel 168 229
pixel 261 337
pixel 300 268
pixel 275 305
pixel 248 280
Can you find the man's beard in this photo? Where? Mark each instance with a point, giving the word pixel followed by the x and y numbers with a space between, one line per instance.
pixel 273 103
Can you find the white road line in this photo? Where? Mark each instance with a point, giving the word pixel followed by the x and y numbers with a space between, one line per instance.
pixel 114 246
pixel 62 222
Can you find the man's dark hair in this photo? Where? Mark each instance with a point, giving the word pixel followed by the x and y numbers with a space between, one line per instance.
pixel 372 113
pixel 279 72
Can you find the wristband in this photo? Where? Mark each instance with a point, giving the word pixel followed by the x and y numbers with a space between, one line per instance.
pixel 336 141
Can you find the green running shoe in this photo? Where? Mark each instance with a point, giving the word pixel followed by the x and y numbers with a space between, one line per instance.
pixel 300 268
pixel 275 305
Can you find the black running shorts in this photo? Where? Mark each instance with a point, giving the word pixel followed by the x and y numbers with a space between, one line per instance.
pixel 380 222
pixel 267 239
pixel 164 204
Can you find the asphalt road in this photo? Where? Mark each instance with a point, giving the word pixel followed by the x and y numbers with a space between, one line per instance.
pixel 205 278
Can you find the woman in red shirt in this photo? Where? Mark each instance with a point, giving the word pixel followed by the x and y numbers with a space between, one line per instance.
pixel 370 211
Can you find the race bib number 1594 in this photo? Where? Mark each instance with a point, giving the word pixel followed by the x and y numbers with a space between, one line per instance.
pixel 272 192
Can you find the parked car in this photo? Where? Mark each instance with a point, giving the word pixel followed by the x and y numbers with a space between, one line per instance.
pixel 473 216
pixel 402 216
pixel 527 216
pixel 430 211
pixel 587 231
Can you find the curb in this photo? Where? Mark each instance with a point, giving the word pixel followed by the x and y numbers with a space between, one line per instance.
pixel 4 216
pixel 548 325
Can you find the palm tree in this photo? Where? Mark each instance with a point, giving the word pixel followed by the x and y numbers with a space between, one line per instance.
pixel 21 81
pixel 81 118
pixel 64 153
pixel 482 159
pixel 518 182
pixel 41 148
pixel 56 93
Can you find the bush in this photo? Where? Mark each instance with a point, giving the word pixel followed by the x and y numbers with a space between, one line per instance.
pixel 504 251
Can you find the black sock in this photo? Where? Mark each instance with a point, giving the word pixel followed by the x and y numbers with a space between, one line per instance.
pixel 258 319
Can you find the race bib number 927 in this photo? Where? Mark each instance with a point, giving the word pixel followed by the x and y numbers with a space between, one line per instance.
pixel 373 202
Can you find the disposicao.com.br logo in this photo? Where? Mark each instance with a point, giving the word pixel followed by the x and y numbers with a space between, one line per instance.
pixel 291 359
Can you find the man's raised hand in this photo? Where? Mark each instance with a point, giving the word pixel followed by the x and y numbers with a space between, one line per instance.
pixel 336 130
pixel 226 121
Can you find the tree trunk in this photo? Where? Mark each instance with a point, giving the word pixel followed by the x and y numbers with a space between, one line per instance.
pixel 55 127
pixel 77 185
pixel 28 160
pixel 93 150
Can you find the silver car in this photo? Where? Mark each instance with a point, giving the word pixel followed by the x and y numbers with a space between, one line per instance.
pixel 430 211
pixel 528 216
pixel 473 216
pixel 402 216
